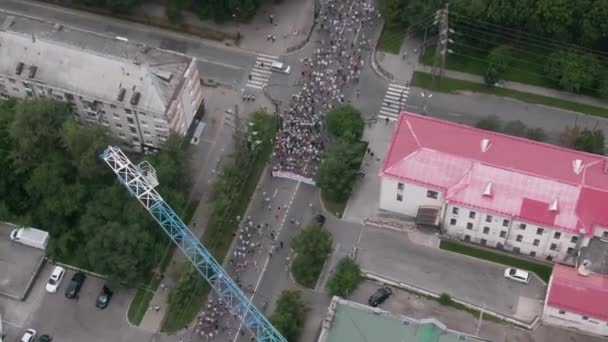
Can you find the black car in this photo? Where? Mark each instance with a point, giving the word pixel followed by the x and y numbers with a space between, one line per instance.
pixel 104 298
pixel 320 219
pixel 45 338
pixel 380 296
pixel 75 285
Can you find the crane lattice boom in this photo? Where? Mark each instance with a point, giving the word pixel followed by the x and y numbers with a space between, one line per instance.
pixel 132 177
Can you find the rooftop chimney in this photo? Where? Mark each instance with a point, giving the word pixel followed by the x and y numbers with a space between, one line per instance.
pixel 553 206
pixel 121 94
pixel 487 191
pixel 485 145
pixel 577 166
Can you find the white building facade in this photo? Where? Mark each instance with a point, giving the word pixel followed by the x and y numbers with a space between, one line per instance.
pixel 139 94
pixel 486 192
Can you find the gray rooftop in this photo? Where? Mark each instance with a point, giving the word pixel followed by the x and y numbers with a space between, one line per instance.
pixel 90 63
pixel 597 253
pixel 354 322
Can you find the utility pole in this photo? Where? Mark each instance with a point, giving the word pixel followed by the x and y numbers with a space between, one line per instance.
pixel 441 48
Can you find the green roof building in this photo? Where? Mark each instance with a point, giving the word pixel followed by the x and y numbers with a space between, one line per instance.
pixel 348 321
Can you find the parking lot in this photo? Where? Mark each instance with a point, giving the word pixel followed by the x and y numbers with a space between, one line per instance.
pixel 412 305
pixel 71 320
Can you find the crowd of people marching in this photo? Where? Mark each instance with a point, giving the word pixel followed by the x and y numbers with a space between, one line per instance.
pixel 332 70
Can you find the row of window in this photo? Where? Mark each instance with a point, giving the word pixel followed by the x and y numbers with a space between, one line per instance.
pixel 584 318
pixel 429 193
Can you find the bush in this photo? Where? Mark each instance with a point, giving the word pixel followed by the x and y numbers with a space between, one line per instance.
pixel 289 315
pixel 445 299
pixel 489 123
pixel 345 123
pixel 573 71
pixel 498 60
pixel 516 128
pixel 537 134
pixel 345 279
pixel 312 246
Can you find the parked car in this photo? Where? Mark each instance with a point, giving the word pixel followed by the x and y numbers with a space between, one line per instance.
pixel 104 297
pixel 45 338
pixel 55 279
pixel 517 275
pixel 380 296
pixel 29 336
pixel 75 285
pixel 320 219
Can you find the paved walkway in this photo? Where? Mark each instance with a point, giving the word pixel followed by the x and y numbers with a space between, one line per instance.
pixel 291 24
pixel 402 66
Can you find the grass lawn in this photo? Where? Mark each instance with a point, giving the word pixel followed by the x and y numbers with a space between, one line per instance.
pixel 140 303
pixel 450 85
pixel 177 317
pixel 390 40
pixel 543 271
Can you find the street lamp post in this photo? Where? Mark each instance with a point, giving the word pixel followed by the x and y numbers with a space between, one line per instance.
pixel 426 97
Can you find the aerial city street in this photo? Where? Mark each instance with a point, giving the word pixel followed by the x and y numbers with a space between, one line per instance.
pixel 303 170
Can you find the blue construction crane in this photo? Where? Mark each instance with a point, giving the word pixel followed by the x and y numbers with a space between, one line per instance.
pixel 140 180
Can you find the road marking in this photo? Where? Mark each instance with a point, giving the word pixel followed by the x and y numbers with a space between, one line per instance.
pixel 393 102
pixel 275 193
pixel 260 75
pixel 411 106
pixel 255 289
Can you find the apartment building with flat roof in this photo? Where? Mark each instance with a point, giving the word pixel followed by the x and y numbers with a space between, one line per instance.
pixel 141 94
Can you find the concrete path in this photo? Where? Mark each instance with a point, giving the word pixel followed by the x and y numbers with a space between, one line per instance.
pixel 291 24
pixel 402 66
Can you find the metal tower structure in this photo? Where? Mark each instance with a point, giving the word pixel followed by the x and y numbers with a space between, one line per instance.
pixel 140 180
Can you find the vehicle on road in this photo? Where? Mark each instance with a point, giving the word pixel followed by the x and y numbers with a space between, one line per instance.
pixel 280 67
pixel 29 336
pixel 320 219
pixel 75 285
pixel 31 237
pixel 55 279
pixel 104 297
pixel 517 275
pixel 196 136
pixel 380 296
pixel 45 338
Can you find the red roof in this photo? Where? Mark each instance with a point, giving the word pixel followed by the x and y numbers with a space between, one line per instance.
pixel 526 176
pixel 585 295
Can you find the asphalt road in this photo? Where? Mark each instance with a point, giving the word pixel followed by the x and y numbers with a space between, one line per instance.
pixel 222 63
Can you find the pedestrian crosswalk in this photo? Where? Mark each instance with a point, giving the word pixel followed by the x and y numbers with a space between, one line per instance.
pixel 260 74
pixel 393 102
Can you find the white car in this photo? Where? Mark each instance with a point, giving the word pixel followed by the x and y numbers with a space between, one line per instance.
pixel 55 279
pixel 29 336
pixel 517 275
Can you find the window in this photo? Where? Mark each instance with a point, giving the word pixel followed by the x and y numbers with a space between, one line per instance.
pixel 533 254
pixel 570 250
pixel 489 218
pixel 605 235
pixel 399 185
pixel 483 242
pixel 455 210
pixel 486 230
pixel 130 120
pixel 516 250
pixel 472 214
pixel 505 223
pixel 144 122
pixel 585 318
pixel 142 113
pixel 553 246
pixel 112 106
pixel 135 140
pixel 549 257
pixel 432 194
pixel 522 226
pixel 452 222
pixel 118 125
pixel 116 116
pixel 503 234
pixel 128 111
pixel 536 242
pixel 147 132
pixel 400 197
pixel 469 225
pixel 12 80
pixel 132 129
pixel 574 239
pixel 519 238
pixel 557 235
pixel 539 231
pixel 467 238
pixel 122 135
pixel 69 96
pixel 562 312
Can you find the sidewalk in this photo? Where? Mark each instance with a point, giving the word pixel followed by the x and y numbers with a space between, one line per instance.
pixel 291 25
pixel 402 69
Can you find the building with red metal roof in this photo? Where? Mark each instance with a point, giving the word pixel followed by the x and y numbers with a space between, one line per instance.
pixel 577 299
pixel 494 189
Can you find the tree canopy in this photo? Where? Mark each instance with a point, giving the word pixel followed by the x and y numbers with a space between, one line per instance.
pixel 345 123
pixel 289 315
pixel 53 179
pixel 345 279
pixel 339 169
pixel 312 246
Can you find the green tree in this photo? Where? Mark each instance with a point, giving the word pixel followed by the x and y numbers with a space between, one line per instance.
pixel 345 279
pixel 339 170
pixel 489 123
pixel 590 141
pixel 498 61
pixel 553 17
pixel 289 315
pixel 312 246
pixel 345 123
pixel 573 71
pixel 516 128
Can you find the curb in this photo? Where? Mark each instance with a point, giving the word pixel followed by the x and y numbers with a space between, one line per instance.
pixel 528 326
pixel 374 62
pixel 300 45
